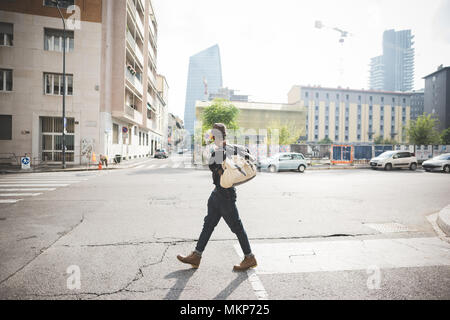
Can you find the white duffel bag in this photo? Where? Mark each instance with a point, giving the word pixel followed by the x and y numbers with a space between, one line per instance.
pixel 238 169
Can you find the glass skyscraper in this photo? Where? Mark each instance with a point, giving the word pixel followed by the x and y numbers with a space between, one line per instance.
pixel 394 70
pixel 204 78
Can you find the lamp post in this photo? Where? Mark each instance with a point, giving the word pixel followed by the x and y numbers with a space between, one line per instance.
pixel 56 2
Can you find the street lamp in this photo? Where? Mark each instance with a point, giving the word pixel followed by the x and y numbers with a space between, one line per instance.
pixel 56 2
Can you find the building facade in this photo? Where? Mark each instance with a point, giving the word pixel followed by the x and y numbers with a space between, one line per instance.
pixel 255 117
pixel 437 96
pixel 176 133
pixel 353 116
pixel 204 78
pixel 228 94
pixel 115 100
pixel 417 104
pixel 394 70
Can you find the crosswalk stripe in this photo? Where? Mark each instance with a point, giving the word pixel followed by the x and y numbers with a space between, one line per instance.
pixel 10 201
pixel 177 165
pixel 19 194
pixel 138 167
pixel 150 166
pixel 163 166
pixel 34 185
pixel 38 181
pixel 28 189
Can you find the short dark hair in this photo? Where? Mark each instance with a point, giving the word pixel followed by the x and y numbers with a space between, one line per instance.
pixel 221 128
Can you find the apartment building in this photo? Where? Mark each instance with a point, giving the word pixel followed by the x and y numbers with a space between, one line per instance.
pixel 353 116
pixel 116 102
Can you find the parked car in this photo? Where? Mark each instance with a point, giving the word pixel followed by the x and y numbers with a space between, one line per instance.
pixel 439 163
pixel 283 161
pixel 394 159
pixel 161 154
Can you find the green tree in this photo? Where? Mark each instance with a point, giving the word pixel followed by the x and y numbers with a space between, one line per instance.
pixel 288 133
pixel 380 140
pixel 220 111
pixel 423 130
pixel 326 140
pixel 445 136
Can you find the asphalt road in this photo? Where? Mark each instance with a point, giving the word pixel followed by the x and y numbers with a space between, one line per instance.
pixel 341 234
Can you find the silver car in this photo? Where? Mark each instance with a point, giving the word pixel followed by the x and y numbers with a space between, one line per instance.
pixel 284 161
pixel 439 163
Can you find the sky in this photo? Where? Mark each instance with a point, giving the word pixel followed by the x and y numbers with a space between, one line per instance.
pixel 268 46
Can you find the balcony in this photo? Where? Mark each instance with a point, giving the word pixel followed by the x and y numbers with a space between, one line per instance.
pixel 134 81
pixel 129 114
pixel 151 76
pixel 135 48
pixel 139 25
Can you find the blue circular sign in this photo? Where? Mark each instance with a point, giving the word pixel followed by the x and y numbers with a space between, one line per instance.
pixel 25 161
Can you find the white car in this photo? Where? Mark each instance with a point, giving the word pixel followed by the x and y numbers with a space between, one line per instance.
pixel 440 163
pixel 394 159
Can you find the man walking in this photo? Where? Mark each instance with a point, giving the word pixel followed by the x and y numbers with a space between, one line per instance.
pixel 221 204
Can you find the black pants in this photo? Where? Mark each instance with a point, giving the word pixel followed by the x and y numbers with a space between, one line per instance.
pixel 223 204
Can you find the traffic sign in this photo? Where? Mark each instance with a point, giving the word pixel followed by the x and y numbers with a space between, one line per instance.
pixel 26 162
pixel 124 129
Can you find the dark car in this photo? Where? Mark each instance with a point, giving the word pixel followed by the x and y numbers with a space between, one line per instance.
pixel 161 154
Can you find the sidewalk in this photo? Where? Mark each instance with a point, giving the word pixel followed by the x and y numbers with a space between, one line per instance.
pixel 124 164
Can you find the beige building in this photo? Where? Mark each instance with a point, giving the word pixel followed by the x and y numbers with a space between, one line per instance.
pixel 353 116
pixel 258 116
pixel 116 102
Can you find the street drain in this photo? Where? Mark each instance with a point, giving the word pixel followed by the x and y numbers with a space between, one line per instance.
pixel 390 227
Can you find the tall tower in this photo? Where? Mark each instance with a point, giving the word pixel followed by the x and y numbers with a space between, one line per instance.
pixel 204 68
pixel 396 66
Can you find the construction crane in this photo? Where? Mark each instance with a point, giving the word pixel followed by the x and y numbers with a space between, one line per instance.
pixel 344 34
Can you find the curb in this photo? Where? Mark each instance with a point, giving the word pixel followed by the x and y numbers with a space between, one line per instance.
pixel 443 220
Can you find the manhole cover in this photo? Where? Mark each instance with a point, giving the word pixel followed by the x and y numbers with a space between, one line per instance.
pixel 390 227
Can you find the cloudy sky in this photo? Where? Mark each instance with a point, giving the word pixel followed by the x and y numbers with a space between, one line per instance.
pixel 269 46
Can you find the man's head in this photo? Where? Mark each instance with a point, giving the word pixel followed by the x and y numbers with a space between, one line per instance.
pixel 219 132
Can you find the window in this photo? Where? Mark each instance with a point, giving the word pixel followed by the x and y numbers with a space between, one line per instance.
pixel 382 99
pixel 62 3
pixel 6 82
pixel 306 94
pixel 54 40
pixel 115 133
pixel 346 97
pixel 51 139
pixel 5 127
pixel 6 34
pixel 53 84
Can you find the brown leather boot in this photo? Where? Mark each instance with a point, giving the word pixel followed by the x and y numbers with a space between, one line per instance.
pixel 193 259
pixel 247 263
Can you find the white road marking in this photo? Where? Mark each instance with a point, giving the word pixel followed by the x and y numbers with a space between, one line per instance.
pixel 325 256
pixel 255 282
pixel 34 185
pixel 163 166
pixel 150 166
pixel 28 189
pixel 177 164
pixel 19 194
pixel 38 181
pixel 10 201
